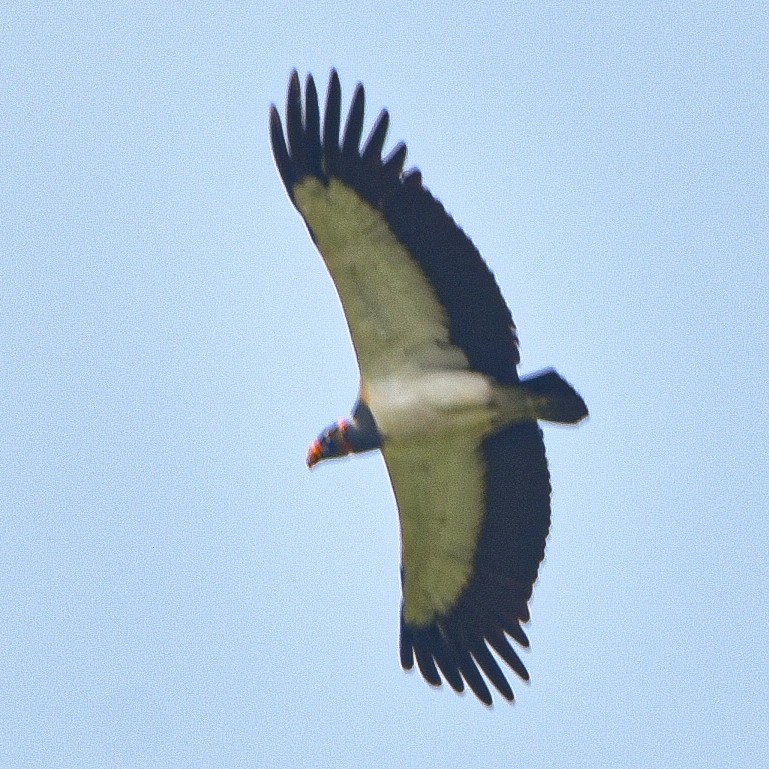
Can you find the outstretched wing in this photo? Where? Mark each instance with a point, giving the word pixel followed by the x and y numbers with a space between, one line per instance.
pixel 474 520
pixel 414 288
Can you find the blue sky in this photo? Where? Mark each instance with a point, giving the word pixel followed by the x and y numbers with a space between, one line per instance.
pixel 177 589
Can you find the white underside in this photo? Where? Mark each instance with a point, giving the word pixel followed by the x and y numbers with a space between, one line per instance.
pixel 431 403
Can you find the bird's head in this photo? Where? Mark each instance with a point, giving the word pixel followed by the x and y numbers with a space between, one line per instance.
pixel 347 436
pixel 333 442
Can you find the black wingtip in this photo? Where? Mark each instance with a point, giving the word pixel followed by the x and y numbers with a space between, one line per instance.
pixel 490 667
pixel 501 646
pixel 312 117
pixel 294 119
pixel 472 675
pixel 393 163
pixel 333 115
pixel 372 151
pixel 312 143
pixel 426 665
pixel 354 127
pixel 314 149
pixel 280 150
pixel 406 647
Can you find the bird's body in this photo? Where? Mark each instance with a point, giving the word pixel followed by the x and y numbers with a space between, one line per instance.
pixel 439 394
pixel 411 404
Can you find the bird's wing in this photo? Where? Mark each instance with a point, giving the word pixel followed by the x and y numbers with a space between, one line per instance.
pixel 414 288
pixel 474 520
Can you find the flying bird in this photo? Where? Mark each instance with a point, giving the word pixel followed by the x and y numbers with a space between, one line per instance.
pixel 439 396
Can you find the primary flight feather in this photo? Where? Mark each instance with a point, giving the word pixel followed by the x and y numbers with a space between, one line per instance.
pixel 439 393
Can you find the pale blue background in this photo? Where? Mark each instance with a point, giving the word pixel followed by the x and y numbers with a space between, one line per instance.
pixel 176 589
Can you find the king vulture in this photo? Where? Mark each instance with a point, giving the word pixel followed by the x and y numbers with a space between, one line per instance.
pixel 439 396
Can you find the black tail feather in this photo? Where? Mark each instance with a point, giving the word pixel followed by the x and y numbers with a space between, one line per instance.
pixel 559 401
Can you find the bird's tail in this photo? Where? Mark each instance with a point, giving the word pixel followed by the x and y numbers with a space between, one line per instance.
pixel 557 400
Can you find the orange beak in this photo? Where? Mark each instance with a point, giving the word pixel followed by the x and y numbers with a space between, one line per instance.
pixel 314 454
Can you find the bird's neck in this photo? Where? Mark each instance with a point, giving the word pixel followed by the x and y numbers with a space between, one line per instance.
pixel 362 433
